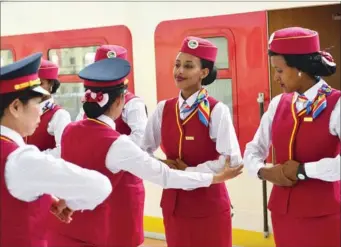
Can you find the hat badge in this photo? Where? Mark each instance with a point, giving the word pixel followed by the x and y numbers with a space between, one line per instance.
pixel 193 44
pixel 111 54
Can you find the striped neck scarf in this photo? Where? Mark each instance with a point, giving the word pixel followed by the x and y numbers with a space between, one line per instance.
pixel 203 107
pixel 316 106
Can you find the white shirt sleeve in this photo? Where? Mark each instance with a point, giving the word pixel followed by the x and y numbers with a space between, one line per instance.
pixel 135 116
pixel 257 150
pixel 152 136
pixel 56 126
pixel 328 169
pixel 223 133
pixel 30 173
pixel 126 155
pixel 55 152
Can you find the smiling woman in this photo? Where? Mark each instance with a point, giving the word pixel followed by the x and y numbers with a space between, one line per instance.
pixel 196 129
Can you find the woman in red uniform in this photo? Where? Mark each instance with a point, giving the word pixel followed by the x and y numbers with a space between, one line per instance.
pixel 26 173
pixel 126 216
pixel 126 228
pixel 53 119
pixel 303 125
pixel 94 142
pixel 47 135
pixel 195 129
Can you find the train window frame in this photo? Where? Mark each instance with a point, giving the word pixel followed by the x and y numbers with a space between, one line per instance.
pixel 11 51
pixel 72 48
pixel 85 37
pixel 221 59
pixel 229 73
pixel 73 79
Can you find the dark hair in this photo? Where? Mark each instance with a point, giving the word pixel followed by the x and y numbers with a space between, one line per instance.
pixel 313 64
pixel 55 85
pixel 24 96
pixel 94 110
pixel 212 74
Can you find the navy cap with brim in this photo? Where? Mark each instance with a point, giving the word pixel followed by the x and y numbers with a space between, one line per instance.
pixel 108 72
pixel 22 75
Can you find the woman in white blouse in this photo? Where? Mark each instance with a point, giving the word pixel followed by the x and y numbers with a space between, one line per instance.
pixel 28 176
pixel 196 133
pixel 303 126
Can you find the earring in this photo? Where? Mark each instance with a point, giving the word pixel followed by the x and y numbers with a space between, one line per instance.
pixel 300 74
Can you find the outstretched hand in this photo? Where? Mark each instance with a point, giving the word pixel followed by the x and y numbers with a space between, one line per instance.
pixel 228 172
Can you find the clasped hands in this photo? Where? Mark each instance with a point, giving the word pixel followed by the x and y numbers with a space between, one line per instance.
pixel 61 210
pixel 281 174
pixel 226 173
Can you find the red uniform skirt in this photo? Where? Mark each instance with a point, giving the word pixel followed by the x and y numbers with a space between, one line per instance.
pixel 215 230
pixel 89 228
pixel 323 231
pixel 126 215
pixel 59 240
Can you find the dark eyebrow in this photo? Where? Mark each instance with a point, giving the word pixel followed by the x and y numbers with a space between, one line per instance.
pixel 187 61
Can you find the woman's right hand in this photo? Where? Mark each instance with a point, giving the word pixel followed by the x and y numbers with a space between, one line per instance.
pixel 228 172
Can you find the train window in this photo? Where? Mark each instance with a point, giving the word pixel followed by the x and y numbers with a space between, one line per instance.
pixel 69 97
pixel 72 60
pixel 6 57
pixel 221 89
pixel 89 58
pixel 222 61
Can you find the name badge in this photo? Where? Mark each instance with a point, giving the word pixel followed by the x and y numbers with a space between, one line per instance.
pixel 189 138
pixel 308 119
